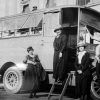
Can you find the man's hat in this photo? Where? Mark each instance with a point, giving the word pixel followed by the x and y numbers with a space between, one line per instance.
pixel 58 28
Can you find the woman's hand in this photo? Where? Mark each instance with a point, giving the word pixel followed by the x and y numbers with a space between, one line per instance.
pixel 60 54
pixel 79 71
pixel 31 62
pixel 34 63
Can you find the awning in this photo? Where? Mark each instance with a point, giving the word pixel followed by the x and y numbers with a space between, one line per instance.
pixel 33 20
pixel 90 18
pixel 21 21
pixel 7 24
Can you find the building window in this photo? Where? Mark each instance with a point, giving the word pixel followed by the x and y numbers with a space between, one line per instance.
pixel 83 2
pixel 26 8
pixel 25 5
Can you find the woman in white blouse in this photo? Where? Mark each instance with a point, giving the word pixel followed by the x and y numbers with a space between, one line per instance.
pixel 83 74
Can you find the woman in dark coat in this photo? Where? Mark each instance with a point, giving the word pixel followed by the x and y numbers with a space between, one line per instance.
pixel 34 70
pixel 83 74
pixel 59 60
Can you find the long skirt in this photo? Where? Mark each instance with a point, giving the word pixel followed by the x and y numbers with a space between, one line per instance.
pixel 59 66
pixel 36 74
pixel 83 84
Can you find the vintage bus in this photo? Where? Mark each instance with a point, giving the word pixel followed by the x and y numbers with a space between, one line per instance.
pixel 36 29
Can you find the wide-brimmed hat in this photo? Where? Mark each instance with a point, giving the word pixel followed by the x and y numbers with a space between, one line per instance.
pixel 82 45
pixel 58 28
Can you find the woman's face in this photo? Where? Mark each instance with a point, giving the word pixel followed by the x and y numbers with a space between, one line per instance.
pixel 31 52
pixel 81 49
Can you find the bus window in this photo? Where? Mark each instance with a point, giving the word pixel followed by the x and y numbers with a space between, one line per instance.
pixel 7 26
pixel 94 35
pixel 22 32
pixel 32 30
pixel 82 34
pixel 97 36
pixel 11 32
pixel 7 34
pixel 38 29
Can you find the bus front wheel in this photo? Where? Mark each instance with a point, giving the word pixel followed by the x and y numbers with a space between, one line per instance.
pixel 13 80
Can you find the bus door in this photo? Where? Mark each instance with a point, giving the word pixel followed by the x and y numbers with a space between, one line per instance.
pixel 50 21
pixel 69 20
pixel 71 33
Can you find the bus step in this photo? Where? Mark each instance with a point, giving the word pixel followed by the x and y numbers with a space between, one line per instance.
pixel 63 90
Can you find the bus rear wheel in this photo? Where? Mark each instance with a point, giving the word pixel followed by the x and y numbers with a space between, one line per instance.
pixel 95 88
pixel 13 80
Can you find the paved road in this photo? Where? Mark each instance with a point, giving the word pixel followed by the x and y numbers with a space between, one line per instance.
pixel 25 96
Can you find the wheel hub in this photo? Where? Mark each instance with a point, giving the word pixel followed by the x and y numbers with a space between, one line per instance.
pixel 11 80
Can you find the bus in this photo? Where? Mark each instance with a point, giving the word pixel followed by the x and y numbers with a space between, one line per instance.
pixel 36 29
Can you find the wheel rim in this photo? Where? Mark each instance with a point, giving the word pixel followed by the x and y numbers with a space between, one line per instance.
pixel 11 80
pixel 95 88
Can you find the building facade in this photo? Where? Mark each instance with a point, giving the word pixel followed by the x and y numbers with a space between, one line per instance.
pixel 12 7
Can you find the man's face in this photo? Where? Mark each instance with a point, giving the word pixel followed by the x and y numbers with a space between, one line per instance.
pixel 58 32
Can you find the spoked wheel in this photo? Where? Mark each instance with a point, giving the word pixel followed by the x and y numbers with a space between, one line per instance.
pixel 95 89
pixel 13 80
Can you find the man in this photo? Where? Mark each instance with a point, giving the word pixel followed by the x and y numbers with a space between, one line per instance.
pixel 59 59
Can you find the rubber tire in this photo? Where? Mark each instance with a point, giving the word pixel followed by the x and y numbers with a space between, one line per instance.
pixel 94 95
pixel 19 80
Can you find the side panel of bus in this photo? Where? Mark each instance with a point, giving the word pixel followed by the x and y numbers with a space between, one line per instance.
pixel 15 49
pixel 51 21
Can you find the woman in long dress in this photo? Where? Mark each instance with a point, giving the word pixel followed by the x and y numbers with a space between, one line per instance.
pixel 34 70
pixel 60 55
